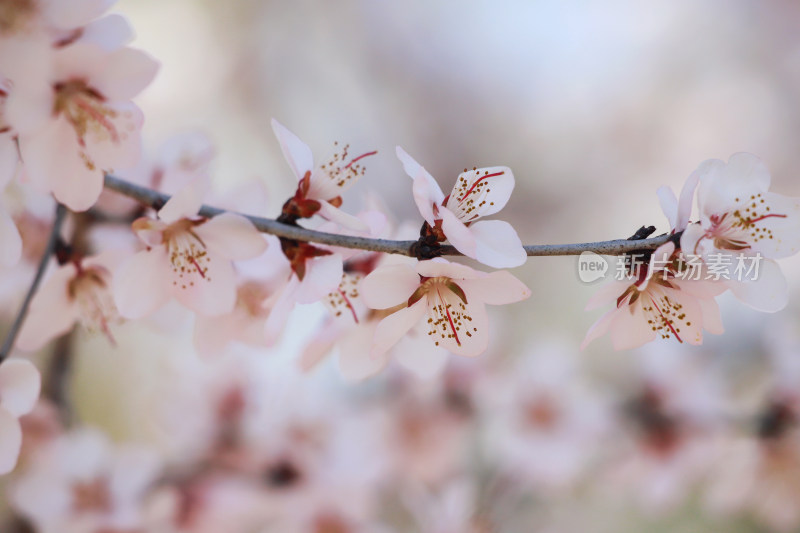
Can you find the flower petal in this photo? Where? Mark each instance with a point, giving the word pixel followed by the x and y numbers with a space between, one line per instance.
pixel 426 191
pixel 232 236
pixel 481 192
pixel 52 311
pixel 415 352
pixel 442 267
pixel 669 204
pixel 779 235
pixel 213 293
pixel 767 291
pixel 296 152
pixel 10 441
pixel 126 73
pixel 185 203
pixel 323 275
pixel 497 288
pixel 110 32
pixel 71 15
pixel 497 244
pixel 685 202
pixel 346 220
pixel 355 361
pixel 457 233
pixel 629 329
pixel 470 337
pixel 20 384
pixel 389 285
pixel 599 328
pixel 141 285
pixel 392 328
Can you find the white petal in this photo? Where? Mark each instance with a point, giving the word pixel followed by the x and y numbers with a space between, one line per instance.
pixel 779 234
pixel 442 267
pixel 669 204
pixel 185 203
pixel 110 32
pixel 497 244
pixel 388 286
pixel 232 236
pixel 457 233
pixel 599 328
pixel 296 152
pixel 210 294
pixel 323 275
pixel 416 353
pixel 346 220
pixel 141 285
pixel 20 384
pixel 75 13
pixel 118 143
pixel 10 240
pixel 482 192
pixel 712 320
pixel 608 292
pixel 10 441
pixel 127 72
pixel 392 328
pixel 630 330
pixel 767 292
pixel 685 202
pixel 497 288
pixel 692 239
pixel 426 191
pixel 471 337
pixel 52 312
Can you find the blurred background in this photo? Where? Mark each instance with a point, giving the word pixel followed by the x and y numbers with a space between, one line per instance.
pixel 593 106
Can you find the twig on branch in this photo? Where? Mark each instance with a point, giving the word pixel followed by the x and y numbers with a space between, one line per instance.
pixel 157 199
pixel 52 241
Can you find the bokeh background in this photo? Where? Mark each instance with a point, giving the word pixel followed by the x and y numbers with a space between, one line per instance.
pixel 593 106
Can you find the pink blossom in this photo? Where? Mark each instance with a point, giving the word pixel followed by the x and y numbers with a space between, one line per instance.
pixel 319 189
pixel 187 257
pixel 450 296
pixel 656 303
pixel 79 291
pixel 477 193
pixel 84 125
pixel 58 16
pixel 19 389
pixel 739 217
pixel 83 483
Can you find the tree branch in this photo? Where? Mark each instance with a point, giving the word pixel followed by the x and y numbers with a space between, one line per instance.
pixel 157 199
pixel 61 212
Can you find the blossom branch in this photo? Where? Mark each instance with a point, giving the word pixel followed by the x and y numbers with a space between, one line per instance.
pixel 156 200
pixel 52 242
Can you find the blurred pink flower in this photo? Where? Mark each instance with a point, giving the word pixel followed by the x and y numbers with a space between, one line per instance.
pixel 477 193
pixel 450 296
pixel 77 291
pixel 19 390
pixel 187 257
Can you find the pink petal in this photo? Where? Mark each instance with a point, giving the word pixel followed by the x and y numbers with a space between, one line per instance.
pixel 692 239
pixel 599 328
pixel 630 330
pixel 497 288
pixel 712 320
pixel 20 383
pixel 323 275
pixel 416 353
pixel 784 230
pixel 53 162
pixel 497 244
pixel 52 311
pixel 10 441
pixel 457 233
pixel 607 293
pixel 75 13
pixel 211 294
pixel 468 345
pixel 10 240
pixel 185 203
pixel 482 192
pixel 334 214
pixel 392 328
pixel 232 236
pixel 442 267
pixel 426 191
pixel 281 308
pixel 117 144
pixel 721 184
pixel 355 361
pixel 768 292
pixel 141 285
pixel 684 211
pixel 127 72
pixel 320 345
pixel 388 286
pixel 110 32
pixel 669 204
pixel 296 152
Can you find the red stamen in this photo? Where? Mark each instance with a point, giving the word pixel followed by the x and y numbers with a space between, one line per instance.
pixel 197 266
pixel 759 219
pixel 669 325
pixel 477 181
pixel 352 309
pixel 449 318
pixel 362 156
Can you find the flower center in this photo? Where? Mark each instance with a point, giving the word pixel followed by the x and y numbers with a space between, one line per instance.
pixel 187 252
pixel 15 15
pixel 471 196
pixel 447 309
pixel 342 298
pixel 94 495
pixel 89 289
